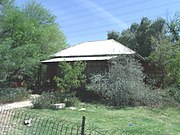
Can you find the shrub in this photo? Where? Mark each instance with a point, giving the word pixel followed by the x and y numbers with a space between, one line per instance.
pixel 44 101
pixel 71 76
pixel 8 95
pixel 123 84
pixel 72 101
pixel 172 93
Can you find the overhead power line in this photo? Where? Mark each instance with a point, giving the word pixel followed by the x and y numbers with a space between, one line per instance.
pixel 114 8
pixel 98 30
pixel 84 1
pixel 87 21
pixel 89 32
pixel 104 25
pixel 123 14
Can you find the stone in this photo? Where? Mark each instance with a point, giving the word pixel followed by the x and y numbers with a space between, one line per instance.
pixel 72 108
pixel 58 106
pixel 82 109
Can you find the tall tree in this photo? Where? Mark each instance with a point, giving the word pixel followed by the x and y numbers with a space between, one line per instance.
pixel 173 27
pixel 25 40
pixel 138 36
pixel 167 53
pixel 34 10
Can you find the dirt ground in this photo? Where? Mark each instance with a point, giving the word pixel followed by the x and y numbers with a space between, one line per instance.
pixel 6 113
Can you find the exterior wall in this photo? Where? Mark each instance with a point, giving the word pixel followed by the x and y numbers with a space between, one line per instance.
pixel 92 67
pixel 151 71
pixel 52 71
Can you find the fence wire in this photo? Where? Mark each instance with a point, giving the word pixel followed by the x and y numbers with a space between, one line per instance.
pixel 14 122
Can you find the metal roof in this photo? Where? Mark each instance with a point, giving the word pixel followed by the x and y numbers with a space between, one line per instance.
pixel 55 60
pixel 95 48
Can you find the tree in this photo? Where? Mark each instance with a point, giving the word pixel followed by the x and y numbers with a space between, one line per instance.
pixel 25 41
pixel 123 84
pixel 173 27
pixel 5 2
pixel 138 36
pixel 167 53
pixel 34 10
pixel 71 76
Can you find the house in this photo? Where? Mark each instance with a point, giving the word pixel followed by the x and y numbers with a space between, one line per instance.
pixel 96 54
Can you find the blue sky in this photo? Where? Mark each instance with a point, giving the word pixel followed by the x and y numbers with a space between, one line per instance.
pixel 89 20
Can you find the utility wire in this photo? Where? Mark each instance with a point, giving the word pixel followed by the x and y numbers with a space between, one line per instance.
pixel 87 21
pixel 89 33
pixel 85 1
pixel 104 25
pixel 123 14
pixel 114 8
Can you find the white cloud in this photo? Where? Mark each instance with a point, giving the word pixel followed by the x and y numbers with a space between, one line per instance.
pixel 102 12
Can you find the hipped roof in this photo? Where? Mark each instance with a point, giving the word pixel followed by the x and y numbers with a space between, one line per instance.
pixel 95 48
pixel 89 51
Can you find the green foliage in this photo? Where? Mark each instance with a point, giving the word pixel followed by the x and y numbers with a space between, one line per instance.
pixel 167 56
pixel 25 40
pixel 44 101
pixel 72 101
pixel 138 36
pixel 173 27
pixel 173 92
pixel 170 96
pixel 71 75
pixel 123 84
pixel 34 10
pixel 8 95
pixel 159 41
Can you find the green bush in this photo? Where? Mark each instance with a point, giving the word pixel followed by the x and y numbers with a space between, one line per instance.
pixel 123 84
pixel 8 95
pixel 72 101
pixel 44 101
pixel 175 93
pixel 71 76
pixel 172 93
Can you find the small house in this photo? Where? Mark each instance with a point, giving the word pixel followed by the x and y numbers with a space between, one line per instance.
pixel 96 54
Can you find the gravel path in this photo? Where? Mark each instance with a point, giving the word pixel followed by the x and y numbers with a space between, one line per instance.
pixel 16 105
pixel 21 104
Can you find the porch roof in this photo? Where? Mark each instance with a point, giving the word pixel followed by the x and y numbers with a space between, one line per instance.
pixel 99 58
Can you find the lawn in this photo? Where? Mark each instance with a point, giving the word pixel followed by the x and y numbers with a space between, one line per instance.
pixel 138 120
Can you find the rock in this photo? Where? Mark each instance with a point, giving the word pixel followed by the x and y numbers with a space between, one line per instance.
pixel 82 109
pixel 34 96
pixel 83 104
pixel 58 106
pixel 72 108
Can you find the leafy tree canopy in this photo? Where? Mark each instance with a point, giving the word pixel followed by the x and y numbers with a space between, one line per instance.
pixel 26 37
pixel 138 36
pixel 173 27
pixel 71 76
pixel 167 52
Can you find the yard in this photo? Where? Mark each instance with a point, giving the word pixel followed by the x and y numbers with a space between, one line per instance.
pixel 139 120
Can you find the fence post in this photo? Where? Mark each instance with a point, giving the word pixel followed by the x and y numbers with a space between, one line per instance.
pixel 83 125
